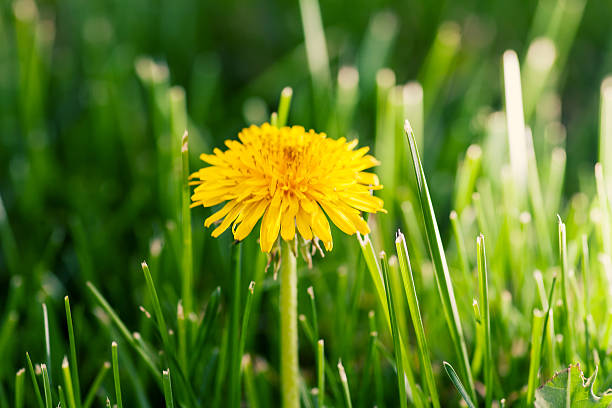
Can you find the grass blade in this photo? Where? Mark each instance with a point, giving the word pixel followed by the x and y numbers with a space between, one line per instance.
pixel 187 248
pixel 458 384
pixel 537 329
pixel 568 339
pixel 395 333
pixel 415 314
pixel 95 385
pixel 68 383
pixel 283 106
pixel 157 310
pixel 167 389
pixel 436 250
pixel 115 360
pixel 34 382
pixel 46 386
pixel 234 336
pixel 321 373
pixel 345 385
pixel 72 342
pixel 148 359
pixel 485 319
pixel 19 387
pixel 47 339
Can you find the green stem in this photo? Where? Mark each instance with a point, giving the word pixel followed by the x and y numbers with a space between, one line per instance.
pixel 289 340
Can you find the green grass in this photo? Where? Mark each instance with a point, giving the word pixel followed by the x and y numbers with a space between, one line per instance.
pixel 104 111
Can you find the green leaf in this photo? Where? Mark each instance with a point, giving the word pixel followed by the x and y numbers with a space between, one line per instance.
pixel 569 388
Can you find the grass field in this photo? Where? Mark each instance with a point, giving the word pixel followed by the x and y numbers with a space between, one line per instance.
pixel 490 272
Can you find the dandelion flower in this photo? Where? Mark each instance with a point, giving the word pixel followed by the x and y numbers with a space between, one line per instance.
pixel 291 177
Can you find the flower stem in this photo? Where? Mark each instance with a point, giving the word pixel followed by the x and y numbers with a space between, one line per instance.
pixel 289 331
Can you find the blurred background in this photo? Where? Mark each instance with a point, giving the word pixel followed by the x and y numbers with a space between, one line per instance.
pixel 94 97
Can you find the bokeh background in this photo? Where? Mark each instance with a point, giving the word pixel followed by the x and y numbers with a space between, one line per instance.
pixel 86 124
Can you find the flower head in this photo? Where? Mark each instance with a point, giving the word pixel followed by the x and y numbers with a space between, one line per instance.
pixel 292 178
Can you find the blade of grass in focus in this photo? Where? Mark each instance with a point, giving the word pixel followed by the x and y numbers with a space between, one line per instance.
pixel 417 323
pixel 458 384
pixel 444 283
pixel 485 319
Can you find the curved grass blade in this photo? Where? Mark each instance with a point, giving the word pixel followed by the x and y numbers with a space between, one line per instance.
pixel 436 250
pixel 455 379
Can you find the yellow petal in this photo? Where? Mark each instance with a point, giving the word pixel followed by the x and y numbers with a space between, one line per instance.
pixel 229 218
pixel 339 218
pixel 288 220
pixel 302 221
pixel 246 226
pixel 269 228
pixel 221 213
pixel 320 227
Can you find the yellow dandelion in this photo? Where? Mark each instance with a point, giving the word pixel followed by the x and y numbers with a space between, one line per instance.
pixel 292 178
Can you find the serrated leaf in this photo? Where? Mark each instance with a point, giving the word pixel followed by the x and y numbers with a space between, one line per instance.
pixel 569 388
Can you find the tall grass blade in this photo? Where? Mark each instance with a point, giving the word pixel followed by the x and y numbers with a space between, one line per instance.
pixel 95 385
pixel 187 248
pixel 515 121
pixel 157 310
pixel 47 339
pixel 116 379
pixel 147 357
pixel 345 385
pixel 568 334
pixel 605 130
pixel 436 250
pixel 167 389
pixel 395 333
pixel 46 386
pixel 415 314
pixel 234 336
pixel 68 383
pixel 72 343
pixel 537 330
pixel 34 382
pixel 485 319
pixel 19 387
pixel 321 373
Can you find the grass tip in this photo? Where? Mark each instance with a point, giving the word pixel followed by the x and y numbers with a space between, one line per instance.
pixel 453 215
pixel 310 291
pixel 185 141
pixel 143 264
pixel 341 371
pixel 408 127
pixel 114 344
pixel 399 236
pixel 252 286
pixel 287 91
pixel 65 362
pixel 321 342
